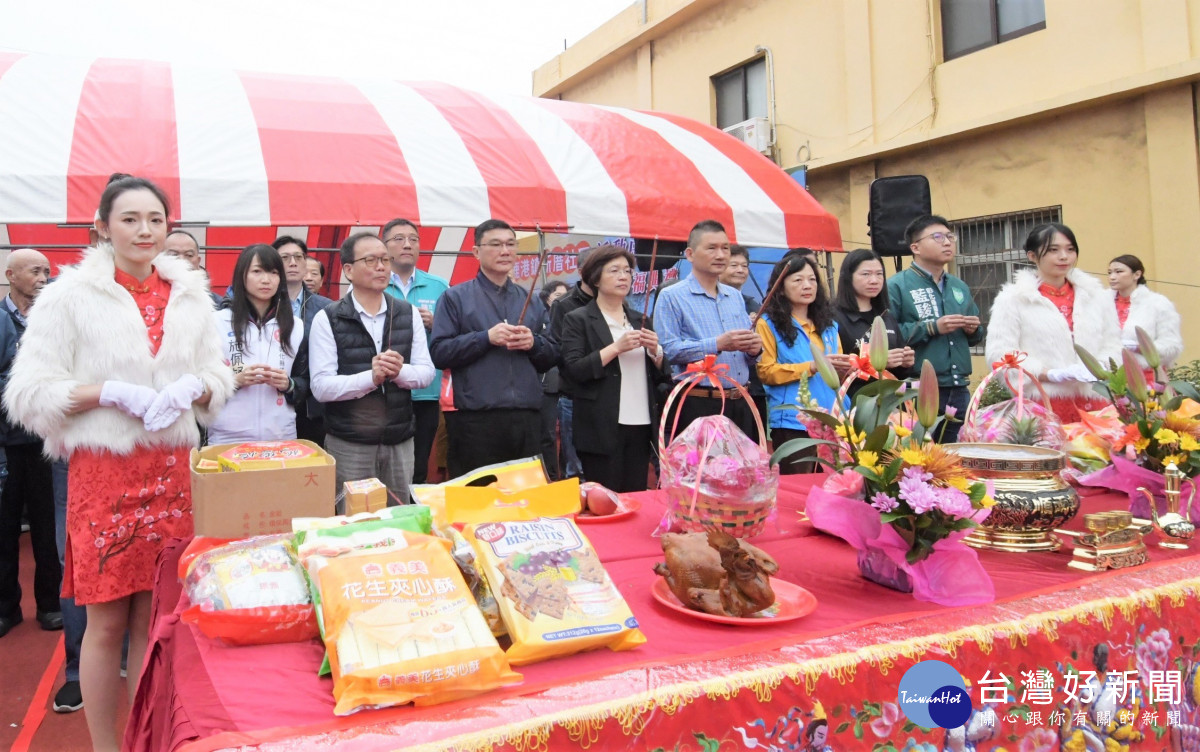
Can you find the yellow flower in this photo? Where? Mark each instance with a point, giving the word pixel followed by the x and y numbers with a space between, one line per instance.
pixel 1176 459
pixel 1188 444
pixel 961 483
pixel 1112 745
pixel 988 502
pixel 1166 436
pixel 902 432
pixel 1141 444
pixel 868 459
pixel 912 456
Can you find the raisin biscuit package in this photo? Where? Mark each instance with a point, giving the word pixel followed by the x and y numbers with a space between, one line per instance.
pixel 553 592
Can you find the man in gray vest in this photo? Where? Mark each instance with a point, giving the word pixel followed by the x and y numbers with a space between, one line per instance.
pixel 367 352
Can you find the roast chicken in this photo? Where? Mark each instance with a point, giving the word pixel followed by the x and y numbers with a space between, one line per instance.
pixel 717 573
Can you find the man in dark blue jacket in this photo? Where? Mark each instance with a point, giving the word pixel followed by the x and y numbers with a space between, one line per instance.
pixel 494 358
pixel 29 485
pixel 310 414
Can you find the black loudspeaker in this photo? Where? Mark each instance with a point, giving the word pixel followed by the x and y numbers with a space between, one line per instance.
pixel 895 202
pixel 669 252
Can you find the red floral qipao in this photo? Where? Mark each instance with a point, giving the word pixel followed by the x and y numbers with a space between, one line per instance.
pixel 122 508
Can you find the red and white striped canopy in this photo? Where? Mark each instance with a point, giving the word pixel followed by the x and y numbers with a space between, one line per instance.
pixel 249 149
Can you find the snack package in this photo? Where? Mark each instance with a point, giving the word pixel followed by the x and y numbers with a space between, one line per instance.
pixel 250 592
pixel 412 517
pixel 464 557
pixel 473 504
pixel 554 594
pixel 367 495
pixel 515 475
pixel 399 622
pixel 269 455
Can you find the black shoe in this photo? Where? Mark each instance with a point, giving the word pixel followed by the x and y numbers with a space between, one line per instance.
pixel 8 622
pixel 51 621
pixel 69 698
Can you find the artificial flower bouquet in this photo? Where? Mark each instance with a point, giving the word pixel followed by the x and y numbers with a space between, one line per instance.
pixel 905 502
pixel 1159 426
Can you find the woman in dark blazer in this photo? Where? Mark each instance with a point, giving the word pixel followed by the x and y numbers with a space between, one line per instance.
pixel 615 365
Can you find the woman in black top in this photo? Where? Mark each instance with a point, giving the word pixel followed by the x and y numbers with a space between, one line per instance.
pixel 614 364
pixel 861 297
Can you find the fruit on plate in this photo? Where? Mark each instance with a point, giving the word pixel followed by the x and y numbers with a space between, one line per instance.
pixel 716 573
pixel 598 500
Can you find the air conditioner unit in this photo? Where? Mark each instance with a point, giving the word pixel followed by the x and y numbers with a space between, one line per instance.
pixel 756 132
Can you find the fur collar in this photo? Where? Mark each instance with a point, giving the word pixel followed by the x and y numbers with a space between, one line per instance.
pixel 98 269
pixel 1026 283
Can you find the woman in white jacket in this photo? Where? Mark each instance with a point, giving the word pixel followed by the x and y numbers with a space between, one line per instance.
pixel 118 363
pixel 1139 306
pixel 260 340
pixel 1045 312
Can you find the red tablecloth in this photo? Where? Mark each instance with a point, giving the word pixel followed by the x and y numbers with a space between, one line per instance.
pixel 198 695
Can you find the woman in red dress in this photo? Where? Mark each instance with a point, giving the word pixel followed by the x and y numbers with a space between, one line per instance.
pixel 120 360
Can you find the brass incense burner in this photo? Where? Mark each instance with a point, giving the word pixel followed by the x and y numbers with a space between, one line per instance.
pixel 1174 528
pixel 1032 499
pixel 1113 540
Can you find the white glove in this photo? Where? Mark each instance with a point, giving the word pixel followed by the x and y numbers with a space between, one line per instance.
pixel 174 399
pixel 131 399
pixel 1080 372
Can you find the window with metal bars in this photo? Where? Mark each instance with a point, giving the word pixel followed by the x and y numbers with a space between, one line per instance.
pixel 990 252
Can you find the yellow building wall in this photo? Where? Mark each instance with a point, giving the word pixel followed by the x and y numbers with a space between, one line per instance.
pixel 1096 113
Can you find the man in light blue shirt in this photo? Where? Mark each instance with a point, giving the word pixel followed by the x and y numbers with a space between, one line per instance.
pixel 423 291
pixel 701 317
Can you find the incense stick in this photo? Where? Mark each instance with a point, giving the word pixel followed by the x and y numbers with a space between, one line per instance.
pixel 532 285
pixel 649 277
pixel 774 287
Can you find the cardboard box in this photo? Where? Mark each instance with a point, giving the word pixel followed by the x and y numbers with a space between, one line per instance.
pixel 367 495
pixel 258 502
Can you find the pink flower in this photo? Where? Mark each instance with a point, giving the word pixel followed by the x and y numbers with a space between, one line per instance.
pixel 176 513
pixel 160 490
pixel 139 513
pixel 951 411
pixel 116 518
pixel 152 537
pixel 100 543
pixel 121 531
pixel 882 726
pixel 143 493
pixel 170 462
pixel 846 483
pixel 1039 740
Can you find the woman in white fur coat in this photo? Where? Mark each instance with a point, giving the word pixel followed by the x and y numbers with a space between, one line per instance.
pixel 118 363
pixel 1139 306
pixel 1045 312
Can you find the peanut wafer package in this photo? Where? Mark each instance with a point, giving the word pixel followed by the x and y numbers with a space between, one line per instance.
pixel 553 592
pixel 400 625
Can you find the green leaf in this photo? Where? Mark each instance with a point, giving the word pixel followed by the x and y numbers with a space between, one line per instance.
pixel 877 439
pixel 868 473
pixel 866 410
pixel 858 731
pixel 795 445
pixel 823 418
pixel 907 727
pixel 842 727
pixel 977 492
pixel 1187 389
pixel 889 517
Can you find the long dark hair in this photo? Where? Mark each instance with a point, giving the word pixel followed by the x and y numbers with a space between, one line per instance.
pixel 1040 237
pixel 846 298
pixel 779 308
pixel 239 301
pixel 119 183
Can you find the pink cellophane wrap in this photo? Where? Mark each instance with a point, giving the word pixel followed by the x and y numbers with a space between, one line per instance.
pixel 950 576
pixel 992 424
pixel 715 458
pixel 1126 476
